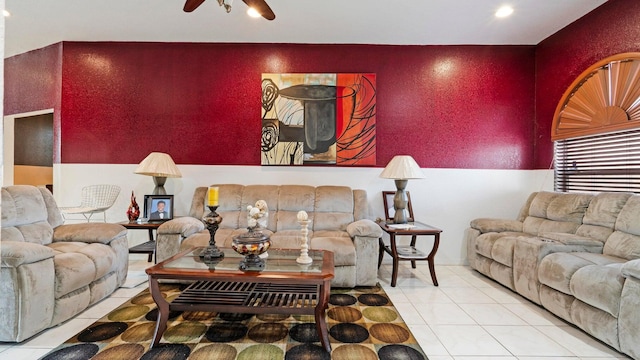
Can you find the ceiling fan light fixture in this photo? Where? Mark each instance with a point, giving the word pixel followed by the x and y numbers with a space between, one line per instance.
pixel 226 3
pixel 253 12
pixel 504 11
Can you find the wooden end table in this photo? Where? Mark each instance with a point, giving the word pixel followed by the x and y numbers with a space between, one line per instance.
pixel 284 287
pixel 410 253
pixel 148 247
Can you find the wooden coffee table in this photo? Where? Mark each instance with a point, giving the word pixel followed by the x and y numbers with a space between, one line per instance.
pixel 283 287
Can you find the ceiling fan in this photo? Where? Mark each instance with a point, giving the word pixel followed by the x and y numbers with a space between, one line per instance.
pixel 259 5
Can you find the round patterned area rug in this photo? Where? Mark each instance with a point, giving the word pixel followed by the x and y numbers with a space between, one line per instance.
pixel 362 322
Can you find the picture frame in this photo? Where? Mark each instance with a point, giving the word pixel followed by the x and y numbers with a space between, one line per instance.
pixel 158 208
pixel 389 210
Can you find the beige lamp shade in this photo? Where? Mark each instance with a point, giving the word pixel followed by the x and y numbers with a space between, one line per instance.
pixel 158 164
pixel 402 167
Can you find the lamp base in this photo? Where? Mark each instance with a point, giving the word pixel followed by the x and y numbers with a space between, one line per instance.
pixel 400 202
pixel 159 189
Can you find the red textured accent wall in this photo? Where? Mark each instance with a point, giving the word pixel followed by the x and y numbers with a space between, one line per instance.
pixel 608 30
pixel 32 83
pixel 448 106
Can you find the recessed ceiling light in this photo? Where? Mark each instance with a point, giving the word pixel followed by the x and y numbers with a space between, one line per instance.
pixel 6 13
pixel 504 11
pixel 253 12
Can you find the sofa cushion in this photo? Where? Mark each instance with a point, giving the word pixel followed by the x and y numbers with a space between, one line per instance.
pixel 291 200
pixel 540 204
pixel 557 269
pixel 627 220
pixel 344 253
pixel 604 208
pixel 600 233
pixel 569 207
pixel 22 205
pixel 502 251
pixel 484 243
pixel 73 271
pixel 230 207
pixel 102 256
pixel 333 208
pixel 535 226
pixel 288 239
pixel 599 286
pixel 623 245
pixel 556 212
pixel 625 240
pixel 38 233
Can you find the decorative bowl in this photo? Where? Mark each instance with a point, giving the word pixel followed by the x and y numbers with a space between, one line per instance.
pixel 251 245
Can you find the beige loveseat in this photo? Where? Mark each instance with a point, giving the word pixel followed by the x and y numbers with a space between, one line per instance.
pixel 575 254
pixel 338 222
pixel 49 271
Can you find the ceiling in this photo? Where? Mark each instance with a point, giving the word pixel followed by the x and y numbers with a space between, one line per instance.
pixel 37 23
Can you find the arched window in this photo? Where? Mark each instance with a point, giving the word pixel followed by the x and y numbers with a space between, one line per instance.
pixel 596 128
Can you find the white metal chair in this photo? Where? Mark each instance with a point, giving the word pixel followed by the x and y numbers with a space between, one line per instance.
pixel 95 199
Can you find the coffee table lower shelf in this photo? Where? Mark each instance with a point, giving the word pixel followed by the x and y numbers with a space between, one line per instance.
pixel 248 297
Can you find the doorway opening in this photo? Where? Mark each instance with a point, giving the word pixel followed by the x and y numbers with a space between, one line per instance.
pixel 28 149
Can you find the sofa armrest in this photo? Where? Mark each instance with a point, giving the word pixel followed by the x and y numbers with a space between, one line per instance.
pixel 184 226
pixel 172 233
pixel 364 228
pixel 16 253
pixel 365 234
pixel 102 233
pixel 631 269
pixel 485 225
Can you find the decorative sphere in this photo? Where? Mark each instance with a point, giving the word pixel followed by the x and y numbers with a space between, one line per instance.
pixel 302 215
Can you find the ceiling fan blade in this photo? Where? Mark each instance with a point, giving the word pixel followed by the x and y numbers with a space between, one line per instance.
pixel 191 5
pixel 262 7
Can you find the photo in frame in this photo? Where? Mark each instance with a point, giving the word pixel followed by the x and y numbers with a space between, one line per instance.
pixel 158 207
pixel 389 209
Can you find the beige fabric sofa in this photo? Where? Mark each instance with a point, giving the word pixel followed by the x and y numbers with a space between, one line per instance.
pixel 49 271
pixel 338 222
pixel 577 255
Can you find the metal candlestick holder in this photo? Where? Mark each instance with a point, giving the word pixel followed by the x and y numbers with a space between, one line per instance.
pixel 212 221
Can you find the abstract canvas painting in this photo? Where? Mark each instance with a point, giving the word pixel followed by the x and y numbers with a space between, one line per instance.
pixel 318 119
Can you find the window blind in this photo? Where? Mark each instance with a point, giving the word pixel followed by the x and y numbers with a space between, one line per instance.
pixel 603 162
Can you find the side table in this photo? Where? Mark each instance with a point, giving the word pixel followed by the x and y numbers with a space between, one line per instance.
pixel 399 253
pixel 148 247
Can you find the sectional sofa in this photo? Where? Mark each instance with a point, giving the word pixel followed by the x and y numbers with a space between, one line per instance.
pixel 577 255
pixel 339 222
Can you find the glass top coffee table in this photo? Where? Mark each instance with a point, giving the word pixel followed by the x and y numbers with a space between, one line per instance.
pixel 283 287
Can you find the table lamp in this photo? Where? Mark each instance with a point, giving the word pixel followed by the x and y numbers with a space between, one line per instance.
pixel 401 168
pixel 160 166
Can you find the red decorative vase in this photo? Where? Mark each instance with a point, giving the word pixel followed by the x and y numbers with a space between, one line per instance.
pixel 133 212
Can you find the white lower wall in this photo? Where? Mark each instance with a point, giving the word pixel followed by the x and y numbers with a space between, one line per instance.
pixel 446 198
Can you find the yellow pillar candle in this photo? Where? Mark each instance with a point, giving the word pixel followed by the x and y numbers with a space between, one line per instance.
pixel 212 196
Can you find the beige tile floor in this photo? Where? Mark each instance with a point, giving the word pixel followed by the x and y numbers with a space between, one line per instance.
pixel 468 317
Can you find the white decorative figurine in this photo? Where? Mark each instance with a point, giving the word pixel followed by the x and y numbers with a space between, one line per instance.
pixel 304 257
